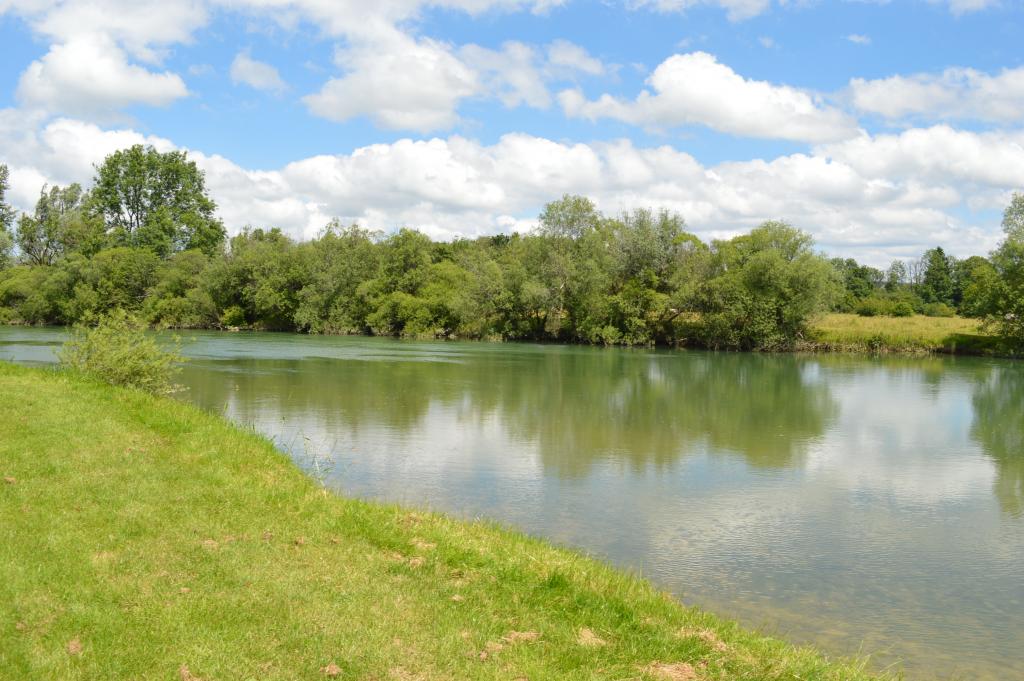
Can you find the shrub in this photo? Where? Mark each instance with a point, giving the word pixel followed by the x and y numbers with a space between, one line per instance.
pixel 234 316
pixel 118 351
pixel 902 309
pixel 939 310
pixel 872 307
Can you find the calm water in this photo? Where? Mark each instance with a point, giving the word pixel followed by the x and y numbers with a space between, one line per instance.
pixel 871 505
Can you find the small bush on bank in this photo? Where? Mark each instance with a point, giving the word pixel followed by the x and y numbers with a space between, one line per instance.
pixel 118 351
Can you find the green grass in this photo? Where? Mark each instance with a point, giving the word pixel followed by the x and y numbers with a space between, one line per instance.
pixel 144 539
pixel 914 335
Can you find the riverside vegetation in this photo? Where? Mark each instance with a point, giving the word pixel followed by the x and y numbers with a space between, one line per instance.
pixel 149 539
pixel 145 238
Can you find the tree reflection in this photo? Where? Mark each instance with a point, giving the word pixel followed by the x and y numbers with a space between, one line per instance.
pixel 579 406
pixel 999 428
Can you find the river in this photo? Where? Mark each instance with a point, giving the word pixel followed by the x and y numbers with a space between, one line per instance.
pixel 863 505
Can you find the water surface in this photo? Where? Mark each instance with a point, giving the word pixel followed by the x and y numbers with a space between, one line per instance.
pixel 859 504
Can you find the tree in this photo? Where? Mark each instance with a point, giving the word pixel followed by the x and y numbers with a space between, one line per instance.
pixel 763 289
pixel 937 281
pixel 6 219
pixel 1006 306
pixel 59 225
pixel 895 276
pixel 157 201
pixel 571 217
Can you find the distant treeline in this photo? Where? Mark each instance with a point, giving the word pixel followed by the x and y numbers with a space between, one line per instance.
pixel 145 238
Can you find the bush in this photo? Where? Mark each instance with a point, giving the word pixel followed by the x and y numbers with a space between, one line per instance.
pixel 872 307
pixel 939 310
pixel 902 309
pixel 118 351
pixel 233 317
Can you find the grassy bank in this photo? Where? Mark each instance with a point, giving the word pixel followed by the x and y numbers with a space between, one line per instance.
pixel 906 335
pixel 144 539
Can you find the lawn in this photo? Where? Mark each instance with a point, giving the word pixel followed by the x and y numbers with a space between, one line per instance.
pixel 144 539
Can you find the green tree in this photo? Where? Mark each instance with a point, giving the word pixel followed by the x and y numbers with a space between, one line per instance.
pixel 763 288
pixel 895 276
pixel 1006 305
pixel 340 259
pixel 570 217
pixel 937 282
pixel 156 200
pixel 6 219
pixel 59 225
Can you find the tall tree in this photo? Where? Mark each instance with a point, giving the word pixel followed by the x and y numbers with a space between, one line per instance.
pixel 6 219
pixel 937 281
pixel 156 200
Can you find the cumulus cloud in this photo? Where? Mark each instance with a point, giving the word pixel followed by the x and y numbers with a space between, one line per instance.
pixel 90 75
pixel 956 93
pixel 142 27
pixel 859 39
pixel 695 89
pixel 874 198
pixel 407 83
pixel 255 74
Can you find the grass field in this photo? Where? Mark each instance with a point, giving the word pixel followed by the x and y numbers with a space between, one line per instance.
pixel 144 539
pixel 917 334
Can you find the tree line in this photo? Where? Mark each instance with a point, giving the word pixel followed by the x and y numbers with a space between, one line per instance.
pixel 145 238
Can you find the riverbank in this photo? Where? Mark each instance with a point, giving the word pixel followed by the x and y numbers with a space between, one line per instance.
pixel 853 334
pixel 916 335
pixel 152 540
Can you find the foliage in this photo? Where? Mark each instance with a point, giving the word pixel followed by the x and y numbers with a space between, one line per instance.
pixel 763 288
pixel 937 284
pixel 1006 300
pixel 939 310
pixel 156 200
pixel 6 219
pixel 117 350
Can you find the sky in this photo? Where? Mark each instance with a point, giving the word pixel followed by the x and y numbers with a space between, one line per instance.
pixel 882 128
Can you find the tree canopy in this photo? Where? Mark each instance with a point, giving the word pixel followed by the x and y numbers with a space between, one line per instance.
pixel 156 200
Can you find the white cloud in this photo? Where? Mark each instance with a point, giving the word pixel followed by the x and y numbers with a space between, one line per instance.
pixel 142 27
pixel 737 10
pixel 512 74
pixel 959 7
pixel 90 75
pixel 695 89
pixel 563 54
pixel 408 84
pixel 859 39
pixel 256 74
pixel 956 93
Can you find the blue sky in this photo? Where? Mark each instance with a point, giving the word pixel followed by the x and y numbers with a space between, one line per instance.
pixel 882 128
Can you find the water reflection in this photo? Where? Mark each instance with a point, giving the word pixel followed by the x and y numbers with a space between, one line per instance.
pixel 579 407
pixel 999 428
